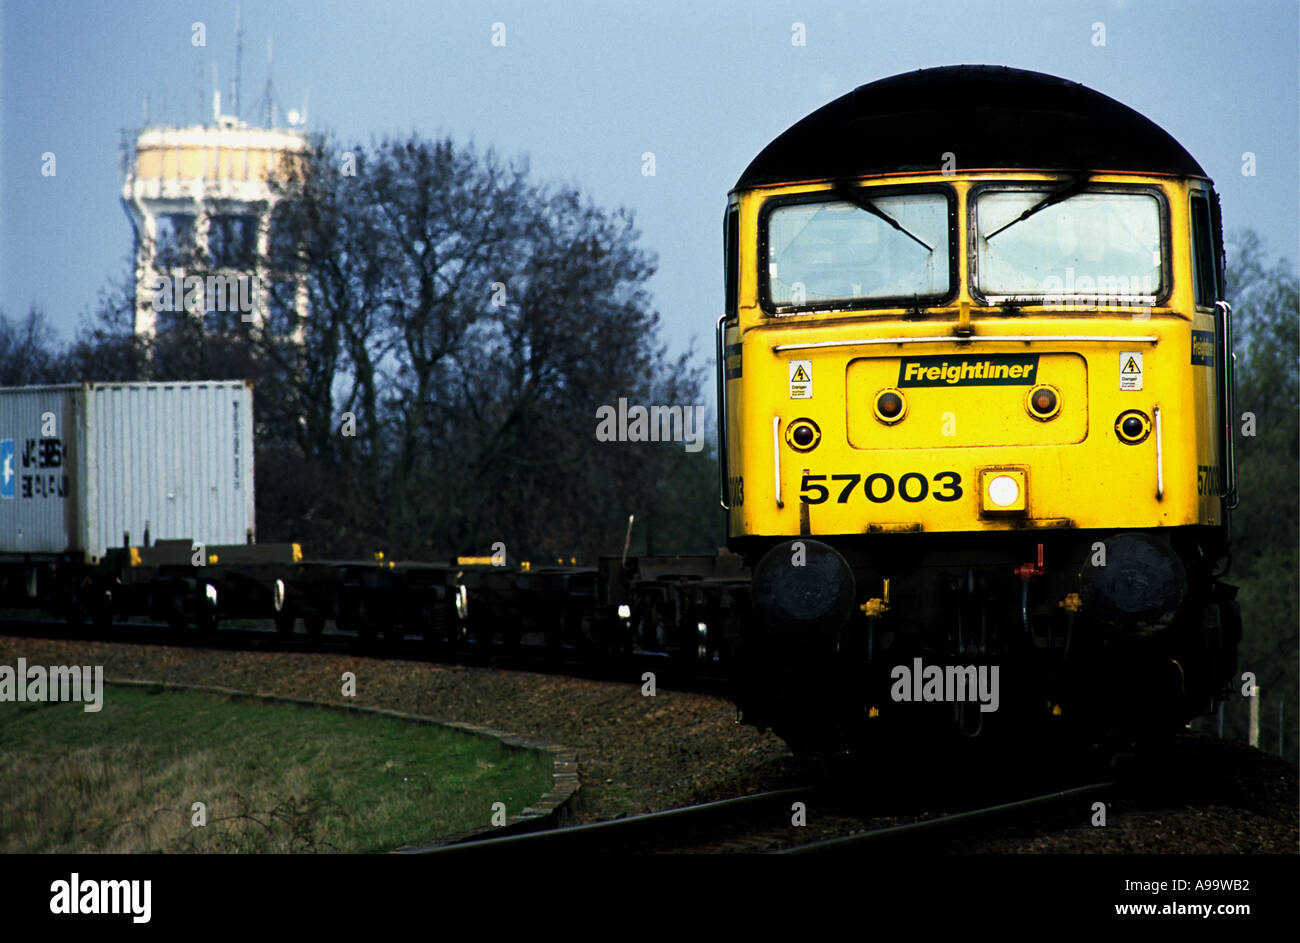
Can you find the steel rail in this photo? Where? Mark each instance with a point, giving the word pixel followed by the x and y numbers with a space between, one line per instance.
pixel 616 834
pixel 946 825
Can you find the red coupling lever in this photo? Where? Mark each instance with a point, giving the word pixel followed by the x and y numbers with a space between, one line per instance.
pixel 1028 571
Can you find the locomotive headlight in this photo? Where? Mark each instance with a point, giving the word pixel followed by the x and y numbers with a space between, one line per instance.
pixel 890 406
pixel 1003 491
pixel 802 435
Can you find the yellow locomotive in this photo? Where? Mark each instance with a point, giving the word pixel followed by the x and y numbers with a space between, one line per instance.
pixel 974 393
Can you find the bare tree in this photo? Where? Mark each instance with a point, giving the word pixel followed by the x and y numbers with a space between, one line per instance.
pixel 29 350
pixel 470 322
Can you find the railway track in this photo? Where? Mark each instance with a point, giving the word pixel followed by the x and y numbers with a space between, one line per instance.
pixel 939 834
pixel 765 823
pixel 655 831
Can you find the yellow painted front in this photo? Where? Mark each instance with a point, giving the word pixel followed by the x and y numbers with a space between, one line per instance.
pixel 1079 474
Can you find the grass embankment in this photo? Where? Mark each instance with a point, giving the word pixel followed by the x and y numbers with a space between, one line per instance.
pixel 273 777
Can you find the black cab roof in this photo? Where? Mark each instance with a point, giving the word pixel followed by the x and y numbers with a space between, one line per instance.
pixel 985 116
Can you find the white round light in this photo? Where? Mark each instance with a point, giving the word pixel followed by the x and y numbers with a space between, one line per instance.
pixel 1003 491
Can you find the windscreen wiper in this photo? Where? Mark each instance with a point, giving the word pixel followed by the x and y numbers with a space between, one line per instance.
pixel 861 202
pixel 1071 188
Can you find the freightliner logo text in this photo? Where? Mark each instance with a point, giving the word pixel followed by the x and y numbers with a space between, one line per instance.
pixel 969 371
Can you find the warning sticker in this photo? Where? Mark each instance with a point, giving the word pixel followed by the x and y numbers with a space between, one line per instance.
pixel 1130 370
pixel 801 379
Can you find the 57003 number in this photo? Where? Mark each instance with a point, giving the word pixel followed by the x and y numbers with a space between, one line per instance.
pixel 879 487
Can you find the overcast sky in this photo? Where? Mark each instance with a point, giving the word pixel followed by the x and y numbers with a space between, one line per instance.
pixel 585 89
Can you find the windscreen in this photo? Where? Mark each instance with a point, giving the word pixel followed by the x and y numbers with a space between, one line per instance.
pixel 1091 244
pixel 837 253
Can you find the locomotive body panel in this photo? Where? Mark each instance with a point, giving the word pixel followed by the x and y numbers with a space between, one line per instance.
pixel 966 396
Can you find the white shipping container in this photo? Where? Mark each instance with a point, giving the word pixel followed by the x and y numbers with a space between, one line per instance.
pixel 83 465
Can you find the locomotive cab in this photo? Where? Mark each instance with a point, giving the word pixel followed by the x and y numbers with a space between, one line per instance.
pixel 975 388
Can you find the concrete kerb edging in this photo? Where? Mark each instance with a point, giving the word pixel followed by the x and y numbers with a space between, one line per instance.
pixel 556 806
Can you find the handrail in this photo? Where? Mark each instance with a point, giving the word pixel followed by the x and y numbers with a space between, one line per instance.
pixel 723 476
pixel 986 338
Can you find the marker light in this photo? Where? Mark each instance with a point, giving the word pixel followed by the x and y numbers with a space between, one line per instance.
pixel 1003 491
pixel 1043 403
pixel 1132 427
pixel 802 435
pixel 890 406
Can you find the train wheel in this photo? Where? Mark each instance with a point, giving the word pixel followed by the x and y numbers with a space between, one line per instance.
pixel 556 629
pixel 439 627
pixel 101 607
pixel 206 617
pixel 284 622
pixel 354 616
pixel 607 635
pixel 511 638
pixel 314 624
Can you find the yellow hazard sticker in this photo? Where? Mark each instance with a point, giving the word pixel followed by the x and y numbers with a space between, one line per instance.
pixel 801 379
pixel 1130 370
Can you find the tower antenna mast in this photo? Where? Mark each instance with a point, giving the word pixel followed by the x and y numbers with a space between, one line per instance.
pixel 270 92
pixel 239 56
